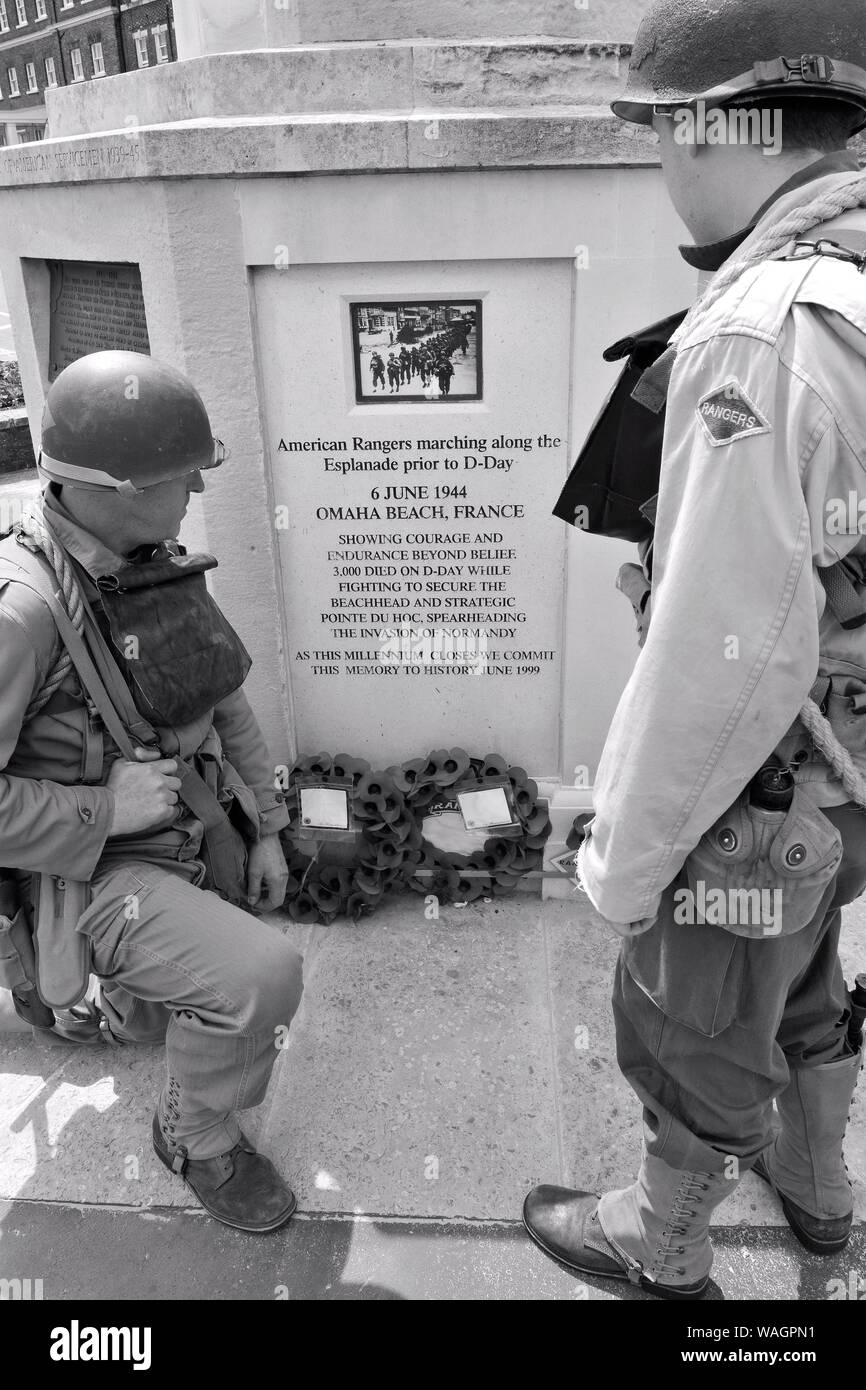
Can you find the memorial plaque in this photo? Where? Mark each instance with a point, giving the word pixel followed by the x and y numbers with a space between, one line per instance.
pixel 417 350
pixel 95 306
pixel 423 569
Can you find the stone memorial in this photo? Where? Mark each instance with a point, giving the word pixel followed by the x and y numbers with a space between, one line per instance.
pixel 297 197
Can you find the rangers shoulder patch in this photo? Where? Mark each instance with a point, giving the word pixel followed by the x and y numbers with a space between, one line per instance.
pixel 728 414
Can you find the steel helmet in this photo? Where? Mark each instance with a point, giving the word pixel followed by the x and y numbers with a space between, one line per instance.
pixel 122 420
pixel 723 51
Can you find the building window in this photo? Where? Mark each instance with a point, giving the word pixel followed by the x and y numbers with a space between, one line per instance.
pixel 21 12
pixel 141 53
pixel 98 60
pixel 30 70
pixel 160 39
pixel 4 18
pixel 50 73
pixel 3 138
pixel 77 65
pixel 66 4
pixel 26 133
pixel 14 89
pixel 41 12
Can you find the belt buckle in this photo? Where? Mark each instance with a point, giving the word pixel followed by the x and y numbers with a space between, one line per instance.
pixel 811 67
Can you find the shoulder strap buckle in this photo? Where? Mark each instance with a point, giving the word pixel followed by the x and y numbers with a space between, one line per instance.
pixel 825 247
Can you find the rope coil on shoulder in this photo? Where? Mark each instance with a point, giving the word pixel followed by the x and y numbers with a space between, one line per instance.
pixel 34 528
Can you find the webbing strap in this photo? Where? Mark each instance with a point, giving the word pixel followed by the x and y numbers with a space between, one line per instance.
pixel 843 600
pixel 194 791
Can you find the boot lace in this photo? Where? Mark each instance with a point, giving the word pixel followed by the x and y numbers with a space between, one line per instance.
pixel 688 1198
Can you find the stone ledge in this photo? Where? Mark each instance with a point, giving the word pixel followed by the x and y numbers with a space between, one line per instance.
pixel 383 142
pixel 213 26
pixel 346 78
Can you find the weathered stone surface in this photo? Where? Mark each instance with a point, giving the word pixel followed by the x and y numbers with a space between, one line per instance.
pixel 327 144
pixel 346 77
pixel 218 26
pixel 518 73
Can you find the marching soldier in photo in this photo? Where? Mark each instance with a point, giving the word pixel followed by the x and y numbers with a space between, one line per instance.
pixel 378 369
pixel 444 371
pixel 729 826
pixel 394 371
pixel 405 366
pixel 138 816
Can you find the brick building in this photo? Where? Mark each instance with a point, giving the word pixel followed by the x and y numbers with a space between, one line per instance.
pixel 50 43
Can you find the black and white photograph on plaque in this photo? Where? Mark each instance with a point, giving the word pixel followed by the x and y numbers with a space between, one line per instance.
pixel 417 350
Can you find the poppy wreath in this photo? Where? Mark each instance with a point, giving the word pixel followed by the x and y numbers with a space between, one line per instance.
pixel 389 807
pixel 319 892
pixel 497 867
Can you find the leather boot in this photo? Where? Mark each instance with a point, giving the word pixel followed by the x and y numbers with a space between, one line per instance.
pixel 82 1025
pixel 654 1234
pixel 804 1163
pixel 241 1188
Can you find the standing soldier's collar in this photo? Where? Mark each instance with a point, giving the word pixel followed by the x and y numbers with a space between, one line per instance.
pixel 714 255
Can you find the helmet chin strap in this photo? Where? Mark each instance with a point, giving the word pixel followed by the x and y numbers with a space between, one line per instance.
pixel 87 479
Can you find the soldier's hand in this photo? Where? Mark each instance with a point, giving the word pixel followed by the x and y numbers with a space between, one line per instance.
pixel 145 792
pixel 266 867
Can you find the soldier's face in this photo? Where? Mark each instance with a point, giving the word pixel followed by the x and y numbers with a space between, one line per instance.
pixel 156 514
pixel 679 167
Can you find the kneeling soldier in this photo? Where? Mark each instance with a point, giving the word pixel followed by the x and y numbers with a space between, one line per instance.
pixel 137 806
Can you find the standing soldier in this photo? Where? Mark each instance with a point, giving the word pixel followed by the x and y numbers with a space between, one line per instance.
pixel 720 773
pixel 444 371
pixel 394 371
pixel 378 368
pixel 121 706
pixel 405 365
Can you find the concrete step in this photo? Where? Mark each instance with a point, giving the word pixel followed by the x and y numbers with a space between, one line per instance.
pixel 212 26
pixel 426 75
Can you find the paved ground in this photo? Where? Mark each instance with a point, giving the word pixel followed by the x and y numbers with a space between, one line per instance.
pixel 436 1070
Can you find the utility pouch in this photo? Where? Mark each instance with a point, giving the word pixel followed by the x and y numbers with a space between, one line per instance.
pixel 178 654
pixel 846 710
pixel 17 960
pixel 761 873
pixel 62 953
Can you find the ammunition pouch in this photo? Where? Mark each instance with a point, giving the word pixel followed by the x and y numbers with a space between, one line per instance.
pixel 62 953
pixel 761 873
pixel 18 971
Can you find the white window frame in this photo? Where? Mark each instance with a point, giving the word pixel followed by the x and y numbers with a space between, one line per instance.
pixel 160 43
pixel 66 4
pixel 97 58
pixel 21 9
pixel 30 74
pixel 12 79
pixel 141 50
pixel 41 9
pixel 4 18
pixel 50 76
pixel 77 72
